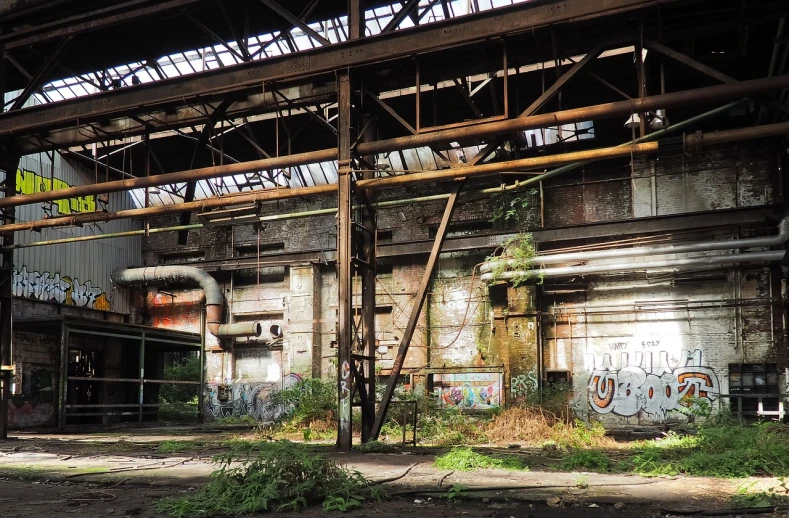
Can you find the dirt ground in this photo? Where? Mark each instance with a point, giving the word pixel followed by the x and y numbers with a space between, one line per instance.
pixel 124 472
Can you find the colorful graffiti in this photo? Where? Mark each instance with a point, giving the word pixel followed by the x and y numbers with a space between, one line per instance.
pixel 28 182
pixel 655 389
pixel 250 399
pixel 468 391
pixel 34 405
pixel 63 290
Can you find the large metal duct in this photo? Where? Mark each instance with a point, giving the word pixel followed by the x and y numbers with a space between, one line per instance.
pixel 752 257
pixel 708 246
pixel 214 300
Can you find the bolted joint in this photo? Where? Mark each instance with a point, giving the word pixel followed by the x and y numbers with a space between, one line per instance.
pixel 344 166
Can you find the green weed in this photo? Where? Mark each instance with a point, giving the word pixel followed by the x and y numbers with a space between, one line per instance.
pixel 282 477
pixel 175 446
pixel 593 460
pixel 463 458
pixel 774 496
pixel 375 447
pixel 457 493
pixel 311 403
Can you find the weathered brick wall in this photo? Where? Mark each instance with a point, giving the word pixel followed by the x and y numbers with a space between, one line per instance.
pixel 672 182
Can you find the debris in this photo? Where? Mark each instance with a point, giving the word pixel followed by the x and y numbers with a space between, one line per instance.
pixel 553 501
pixel 593 505
pixel 418 502
pixel 486 500
pixel 620 506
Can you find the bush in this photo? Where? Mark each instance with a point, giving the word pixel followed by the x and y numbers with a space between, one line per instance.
pixel 283 477
pixel 310 403
pixel 186 370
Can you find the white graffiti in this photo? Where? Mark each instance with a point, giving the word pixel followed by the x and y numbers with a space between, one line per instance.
pixel 652 388
pixel 521 386
pixel 54 288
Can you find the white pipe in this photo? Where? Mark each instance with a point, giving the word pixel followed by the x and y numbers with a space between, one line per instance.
pixel 731 244
pixel 751 257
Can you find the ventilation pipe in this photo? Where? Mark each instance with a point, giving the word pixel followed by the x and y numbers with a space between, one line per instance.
pixel 214 300
pixel 751 257
pixel 708 246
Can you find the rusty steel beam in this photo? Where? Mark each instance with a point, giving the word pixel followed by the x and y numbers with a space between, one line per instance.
pixel 345 332
pixel 246 76
pixel 695 142
pixel 295 21
pixel 377 183
pixel 616 109
pixel 416 310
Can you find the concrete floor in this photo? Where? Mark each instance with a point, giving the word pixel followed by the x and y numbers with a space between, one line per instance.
pixel 122 473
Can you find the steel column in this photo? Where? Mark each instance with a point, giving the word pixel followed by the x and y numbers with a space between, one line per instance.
pixel 416 310
pixel 345 333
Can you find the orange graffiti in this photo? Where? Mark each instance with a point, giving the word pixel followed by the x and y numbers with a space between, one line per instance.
pixel 608 392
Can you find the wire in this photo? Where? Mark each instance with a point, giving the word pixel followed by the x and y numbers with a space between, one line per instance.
pixel 465 315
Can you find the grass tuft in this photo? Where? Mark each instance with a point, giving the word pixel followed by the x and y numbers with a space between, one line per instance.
pixel 463 458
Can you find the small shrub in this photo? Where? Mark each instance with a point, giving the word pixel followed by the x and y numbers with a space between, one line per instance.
pixel 774 496
pixel 311 403
pixel 282 477
pixel 457 493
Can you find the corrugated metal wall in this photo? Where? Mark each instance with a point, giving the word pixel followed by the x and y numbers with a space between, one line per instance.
pixel 74 273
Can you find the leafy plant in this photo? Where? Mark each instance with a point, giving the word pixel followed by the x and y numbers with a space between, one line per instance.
pixel 457 493
pixel 774 496
pixel 517 256
pixel 510 210
pixel 282 477
pixel 311 403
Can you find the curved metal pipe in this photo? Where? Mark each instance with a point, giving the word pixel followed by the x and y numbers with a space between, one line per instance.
pixel 752 242
pixel 214 299
pixel 751 257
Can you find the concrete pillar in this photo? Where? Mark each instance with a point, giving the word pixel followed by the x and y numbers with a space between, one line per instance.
pixel 302 344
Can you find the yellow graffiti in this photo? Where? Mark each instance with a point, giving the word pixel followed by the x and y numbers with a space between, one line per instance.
pixel 28 182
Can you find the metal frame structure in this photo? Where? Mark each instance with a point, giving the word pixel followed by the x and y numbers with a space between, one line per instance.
pixel 333 84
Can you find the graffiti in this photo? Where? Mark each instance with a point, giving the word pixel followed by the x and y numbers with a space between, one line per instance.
pixel 522 385
pixel 28 182
pixel 250 399
pixel 34 404
pixel 478 391
pixel 63 290
pixel 653 389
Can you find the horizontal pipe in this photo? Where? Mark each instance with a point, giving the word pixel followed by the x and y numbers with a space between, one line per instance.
pixel 377 183
pixel 696 141
pixel 619 253
pixel 272 217
pixel 750 257
pixel 615 109
pixel 239 329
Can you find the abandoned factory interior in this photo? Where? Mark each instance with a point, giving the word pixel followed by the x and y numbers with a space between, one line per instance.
pixel 433 256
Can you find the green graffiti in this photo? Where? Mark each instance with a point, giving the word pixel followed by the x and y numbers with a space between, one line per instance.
pixel 28 182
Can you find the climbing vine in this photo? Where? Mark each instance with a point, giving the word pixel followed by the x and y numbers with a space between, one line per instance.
pixel 511 209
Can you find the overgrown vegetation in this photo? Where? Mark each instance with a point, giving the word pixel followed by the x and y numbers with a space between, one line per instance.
pixel 746 497
pixel 179 401
pixel 308 407
pixel 518 253
pixel 463 458
pixel 510 208
pixel 590 460
pixel 375 447
pixel 282 477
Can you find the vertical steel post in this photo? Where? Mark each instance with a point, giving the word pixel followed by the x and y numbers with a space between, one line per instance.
pixel 142 376
pixel 201 390
pixel 63 385
pixel 367 250
pixel 356 20
pixel 9 164
pixel 344 267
